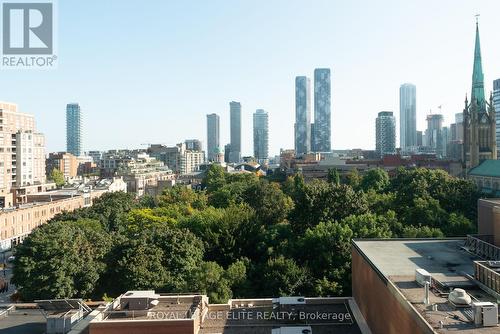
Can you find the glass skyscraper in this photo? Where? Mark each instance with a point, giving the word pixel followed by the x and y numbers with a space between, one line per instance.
pixel 74 129
pixel 235 118
pixel 496 104
pixel 385 128
pixel 321 130
pixel 213 136
pixel 261 136
pixel 302 115
pixel 407 117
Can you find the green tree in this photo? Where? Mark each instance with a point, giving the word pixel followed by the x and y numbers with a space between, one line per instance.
pixel 58 177
pixel 421 232
pixel 353 179
pixel 211 279
pixel 326 250
pixel 376 179
pixel 333 176
pixel 61 260
pixel 283 277
pixel 321 201
pixel 270 203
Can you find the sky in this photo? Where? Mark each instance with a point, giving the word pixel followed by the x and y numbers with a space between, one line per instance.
pixel 150 71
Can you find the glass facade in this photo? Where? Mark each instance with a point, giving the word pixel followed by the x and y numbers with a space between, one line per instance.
pixel 302 115
pixel 321 134
pixel 73 129
pixel 261 135
pixel 385 128
pixel 407 117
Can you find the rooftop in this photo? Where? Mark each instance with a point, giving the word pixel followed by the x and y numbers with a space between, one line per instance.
pixel 487 168
pixel 323 315
pixel 21 321
pixel 450 267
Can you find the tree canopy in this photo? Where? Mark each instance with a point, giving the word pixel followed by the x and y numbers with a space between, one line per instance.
pixel 241 236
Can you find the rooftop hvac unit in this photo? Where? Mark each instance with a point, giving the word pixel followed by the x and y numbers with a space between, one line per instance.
pixel 422 276
pixel 459 297
pixel 485 313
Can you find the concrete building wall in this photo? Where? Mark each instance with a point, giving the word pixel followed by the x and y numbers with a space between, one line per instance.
pixel 384 308
pixel 489 219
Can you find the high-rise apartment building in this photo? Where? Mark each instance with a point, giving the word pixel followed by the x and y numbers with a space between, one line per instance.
pixel 213 136
pixel 178 158
pixel 74 129
pixel 321 130
pixel 385 128
pixel 496 104
pixel 235 120
pixel 407 117
pixel 434 133
pixel 302 115
pixel 22 155
pixel 261 136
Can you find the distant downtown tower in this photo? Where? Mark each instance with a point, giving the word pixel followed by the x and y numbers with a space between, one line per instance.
pixel 74 129
pixel 407 117
pixel 302 115
pixel 321 129
pixel 261 136
pixel 235 132
pixel 213 136
pixel 385 128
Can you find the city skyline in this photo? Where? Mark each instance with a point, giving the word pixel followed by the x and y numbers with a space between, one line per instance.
pixel 102 89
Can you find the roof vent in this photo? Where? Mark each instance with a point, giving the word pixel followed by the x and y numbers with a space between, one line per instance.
pixel 459 297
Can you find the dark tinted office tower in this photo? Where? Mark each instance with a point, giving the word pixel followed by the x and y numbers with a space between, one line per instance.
pixel 235 117
pixel 321 134
pixel 385 126
pixel 302 115
pixel 261 136
pixel 73 129
pixel 496 104
pixel 407 117
pixel 213 136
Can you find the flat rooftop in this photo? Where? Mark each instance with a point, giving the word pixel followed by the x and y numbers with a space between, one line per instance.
pixel 22 321
pixel 324 315
pixel 447 262
pixel 168 308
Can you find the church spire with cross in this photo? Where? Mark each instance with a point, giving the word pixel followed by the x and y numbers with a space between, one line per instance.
pixel 477 94
pixel 479 136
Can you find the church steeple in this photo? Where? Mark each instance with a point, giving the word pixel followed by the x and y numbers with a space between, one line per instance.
pixel 477 94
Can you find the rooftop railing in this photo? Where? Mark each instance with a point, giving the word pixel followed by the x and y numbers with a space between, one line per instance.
pixel 479 245
pixel 487 276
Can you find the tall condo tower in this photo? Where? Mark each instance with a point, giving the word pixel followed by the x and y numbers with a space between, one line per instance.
pixel 73 129
pixel 213 136
pixel 235 118
pixel 302 115
pixel 321 129
pixel 407 117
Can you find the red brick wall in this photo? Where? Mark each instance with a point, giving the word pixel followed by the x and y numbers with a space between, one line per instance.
pixel 142 327
pixel 383 312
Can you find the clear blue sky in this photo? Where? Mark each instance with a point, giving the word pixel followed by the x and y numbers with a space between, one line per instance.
pixel 149 71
